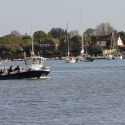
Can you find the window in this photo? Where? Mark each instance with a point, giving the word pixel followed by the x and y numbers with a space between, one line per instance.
pixel 46 45
pixel 41 45
pixel 47 51
pixel 99 42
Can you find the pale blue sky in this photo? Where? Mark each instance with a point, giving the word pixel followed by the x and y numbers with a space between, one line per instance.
pixel 47 14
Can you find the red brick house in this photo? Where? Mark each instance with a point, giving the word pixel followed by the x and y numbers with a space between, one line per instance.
pixel 49 45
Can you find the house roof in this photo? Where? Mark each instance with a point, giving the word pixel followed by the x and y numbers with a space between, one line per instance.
pixel 123 39
pixel 107 37
pixel 55 41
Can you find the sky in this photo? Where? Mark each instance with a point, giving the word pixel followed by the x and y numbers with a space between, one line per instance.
pixel 48 14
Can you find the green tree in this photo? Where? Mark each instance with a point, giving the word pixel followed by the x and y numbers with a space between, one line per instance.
pixel 76 45
pixel 104 29
pixel 41 36
pixel 121 33
pixel 57 32
pixel 89 32
pixel 96 49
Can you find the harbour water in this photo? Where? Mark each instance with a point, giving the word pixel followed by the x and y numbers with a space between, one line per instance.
pixel 84 93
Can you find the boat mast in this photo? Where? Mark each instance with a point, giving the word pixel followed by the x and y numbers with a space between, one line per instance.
pixel 67 39
pixel 82 51
pixel 32 52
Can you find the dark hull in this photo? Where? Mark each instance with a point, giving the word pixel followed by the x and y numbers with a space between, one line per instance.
pixel 88 60
pixel 24 74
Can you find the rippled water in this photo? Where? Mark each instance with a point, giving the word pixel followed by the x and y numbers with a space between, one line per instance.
pixel 85 93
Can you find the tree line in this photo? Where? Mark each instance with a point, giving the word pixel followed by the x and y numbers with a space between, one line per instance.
pixel 14 43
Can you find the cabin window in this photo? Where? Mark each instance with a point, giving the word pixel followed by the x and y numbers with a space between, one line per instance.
pixel 41 45
pixel 37 61
pixel 28 61
pixel 46 45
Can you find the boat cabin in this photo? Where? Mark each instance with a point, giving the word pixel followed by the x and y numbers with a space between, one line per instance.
pixel 34 62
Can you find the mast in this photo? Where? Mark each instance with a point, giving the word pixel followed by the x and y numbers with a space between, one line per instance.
pixel 82 51
pixel 32 52
pixel 67 39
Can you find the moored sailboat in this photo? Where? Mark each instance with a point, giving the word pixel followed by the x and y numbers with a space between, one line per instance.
pixel 69 59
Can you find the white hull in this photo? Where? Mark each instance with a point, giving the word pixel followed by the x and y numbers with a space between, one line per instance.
pixel 120 57
pixel 70 60
pixel 109 57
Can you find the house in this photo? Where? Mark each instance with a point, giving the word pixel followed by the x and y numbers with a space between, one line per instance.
pixel 115 40
pixel 49 45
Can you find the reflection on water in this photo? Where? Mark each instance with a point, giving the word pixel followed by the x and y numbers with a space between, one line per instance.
pixel 85 93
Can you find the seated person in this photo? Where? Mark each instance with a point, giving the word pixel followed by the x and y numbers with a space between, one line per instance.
pixel 4 70
pixel 10 69
pixel 17 68
pixel 1 71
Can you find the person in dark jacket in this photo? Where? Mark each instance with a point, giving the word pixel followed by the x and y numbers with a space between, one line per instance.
pixel 17 68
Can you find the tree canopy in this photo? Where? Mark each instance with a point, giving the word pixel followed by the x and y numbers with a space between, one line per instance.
pixel 104 29
pixel 41 36
pixel 57 32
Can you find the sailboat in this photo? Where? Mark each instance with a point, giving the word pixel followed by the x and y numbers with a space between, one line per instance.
pixel 84 57
pixel 69 59
pixel 80 58
pixel 33 69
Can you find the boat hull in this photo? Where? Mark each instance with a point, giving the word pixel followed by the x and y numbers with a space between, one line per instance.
pixel 28 74
pixel 88 60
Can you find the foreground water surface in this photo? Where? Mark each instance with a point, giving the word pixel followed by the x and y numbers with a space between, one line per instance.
pixel 84 93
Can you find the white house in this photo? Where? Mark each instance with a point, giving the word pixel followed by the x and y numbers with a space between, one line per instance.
pixel 115 40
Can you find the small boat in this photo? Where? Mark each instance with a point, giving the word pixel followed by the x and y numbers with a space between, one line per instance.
pixel 88 59
pixel 33 69
pixel 70 59
pixel 109 57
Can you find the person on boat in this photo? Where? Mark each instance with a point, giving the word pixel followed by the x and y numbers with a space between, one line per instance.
pixel 5 70
pixel 10 69
pixel 17 68
pixel 1 71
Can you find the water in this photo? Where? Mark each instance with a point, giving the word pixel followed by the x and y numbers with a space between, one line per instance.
pixel 84 93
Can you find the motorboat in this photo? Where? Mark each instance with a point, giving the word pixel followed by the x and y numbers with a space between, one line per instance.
pixel 88 59
pixel 33 69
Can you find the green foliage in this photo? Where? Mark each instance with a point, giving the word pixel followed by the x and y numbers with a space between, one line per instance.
pixel 104 29
pixel 8 39
pixel 121 33
pixel 108 44
pixel 96 49
pixel 27 41
pixel 76 44
pixel 41 36
pixel 87 39
pixel 89 32
pixel 57 32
